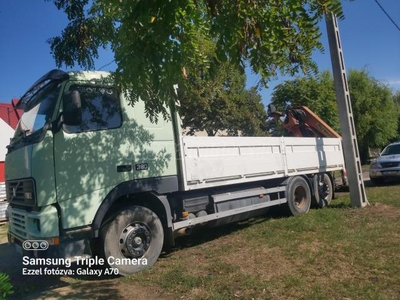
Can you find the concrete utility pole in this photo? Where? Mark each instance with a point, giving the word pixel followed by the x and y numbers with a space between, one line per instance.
pixel 350 147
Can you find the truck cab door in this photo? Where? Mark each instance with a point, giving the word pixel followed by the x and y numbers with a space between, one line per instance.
pixel 90 158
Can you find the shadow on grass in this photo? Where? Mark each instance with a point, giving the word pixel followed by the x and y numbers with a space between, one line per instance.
pixel 51 286
pixel 339 205
pixel 102 290
pixel 204 234
pixel 387 182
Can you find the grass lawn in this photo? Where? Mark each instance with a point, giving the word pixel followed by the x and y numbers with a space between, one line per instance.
pixel 333 253
pixel 365 168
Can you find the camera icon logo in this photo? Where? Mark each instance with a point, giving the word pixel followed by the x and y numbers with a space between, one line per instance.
pixel 35 245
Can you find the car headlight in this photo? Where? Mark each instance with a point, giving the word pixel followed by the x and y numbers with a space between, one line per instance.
pixel 375 164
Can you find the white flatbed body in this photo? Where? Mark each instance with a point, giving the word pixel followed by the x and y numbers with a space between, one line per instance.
pixel 218 161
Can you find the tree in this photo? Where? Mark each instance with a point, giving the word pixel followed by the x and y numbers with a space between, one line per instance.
pixel 374 109
pixel 220 102
pixel 396 98
pixel 155 43
pixel 375 112
pixel 317 93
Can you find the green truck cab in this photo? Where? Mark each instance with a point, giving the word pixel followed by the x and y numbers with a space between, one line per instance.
pixel 69 161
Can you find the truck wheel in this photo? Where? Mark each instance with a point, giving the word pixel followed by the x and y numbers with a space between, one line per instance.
pixel 298 196
pixel 323 190
pixel 135 237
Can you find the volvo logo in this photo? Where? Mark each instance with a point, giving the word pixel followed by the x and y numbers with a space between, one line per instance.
pixel 13 190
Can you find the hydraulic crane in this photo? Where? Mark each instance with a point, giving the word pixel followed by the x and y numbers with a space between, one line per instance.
pixel 300 121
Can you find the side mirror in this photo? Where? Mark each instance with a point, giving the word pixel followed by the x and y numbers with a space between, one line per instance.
pixel 72 108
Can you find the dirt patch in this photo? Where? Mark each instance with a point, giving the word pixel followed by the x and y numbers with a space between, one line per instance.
pixel 378 209
pixel 64 287
pixel 100 289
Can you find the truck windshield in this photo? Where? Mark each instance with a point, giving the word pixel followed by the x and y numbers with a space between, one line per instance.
pixel 38 111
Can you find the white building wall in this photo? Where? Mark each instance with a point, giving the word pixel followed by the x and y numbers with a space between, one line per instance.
pixel 6 133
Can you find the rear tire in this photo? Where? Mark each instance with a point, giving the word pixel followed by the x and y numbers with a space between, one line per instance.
pixel 298 196
pixel 323 190
pixel 135 234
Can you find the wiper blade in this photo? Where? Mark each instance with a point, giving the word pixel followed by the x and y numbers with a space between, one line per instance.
pixel 22 133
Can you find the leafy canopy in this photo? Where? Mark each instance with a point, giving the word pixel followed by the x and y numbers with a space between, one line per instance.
pixel 318 93
pixel 220 102
pixel 396 98
pixel 374 107
pixel 155 43
pixel 375 112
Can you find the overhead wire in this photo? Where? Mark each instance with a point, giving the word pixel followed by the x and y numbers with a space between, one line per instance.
pixel 394 23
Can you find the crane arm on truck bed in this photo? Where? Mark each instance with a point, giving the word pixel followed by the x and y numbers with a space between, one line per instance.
pixel 301 121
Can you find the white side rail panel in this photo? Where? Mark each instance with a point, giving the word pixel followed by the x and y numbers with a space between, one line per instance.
pixel 217 161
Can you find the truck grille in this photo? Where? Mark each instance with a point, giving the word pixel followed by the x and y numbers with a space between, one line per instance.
pixel 390 164
pixel 18 223
pixel 21 192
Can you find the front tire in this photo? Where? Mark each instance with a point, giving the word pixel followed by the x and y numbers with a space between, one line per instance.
pixel 135 234
pixel 298 196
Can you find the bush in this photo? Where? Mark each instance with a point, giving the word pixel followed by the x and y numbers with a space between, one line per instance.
pixel 6 287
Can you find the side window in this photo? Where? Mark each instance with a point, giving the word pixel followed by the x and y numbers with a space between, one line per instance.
pixel 101 109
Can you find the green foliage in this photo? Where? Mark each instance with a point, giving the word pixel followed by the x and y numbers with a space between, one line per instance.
pixel 220 102
pixel 396 98
pixel 316 93
pixel 155 43
pixel 6 287
pixel 375 112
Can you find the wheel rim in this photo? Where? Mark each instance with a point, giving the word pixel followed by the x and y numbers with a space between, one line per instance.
pixel 323 189
pixel 300 197
pixel 135 240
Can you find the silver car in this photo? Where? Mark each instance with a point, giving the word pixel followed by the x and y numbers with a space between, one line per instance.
pixel 386 165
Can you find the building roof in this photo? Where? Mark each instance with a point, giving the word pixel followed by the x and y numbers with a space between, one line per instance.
pixel 9 115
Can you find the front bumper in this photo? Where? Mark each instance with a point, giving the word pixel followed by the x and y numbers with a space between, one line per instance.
pixel 36 234
pixel 18 244
pixel 66 248
pixel 384 173
pixel 30 225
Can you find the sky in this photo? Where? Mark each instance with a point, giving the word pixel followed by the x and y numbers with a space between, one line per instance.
pixel 369 41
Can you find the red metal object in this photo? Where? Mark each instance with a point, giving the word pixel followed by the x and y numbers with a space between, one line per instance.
pixel 301 121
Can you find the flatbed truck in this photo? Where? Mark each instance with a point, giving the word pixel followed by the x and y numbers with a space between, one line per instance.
pixel 90 175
